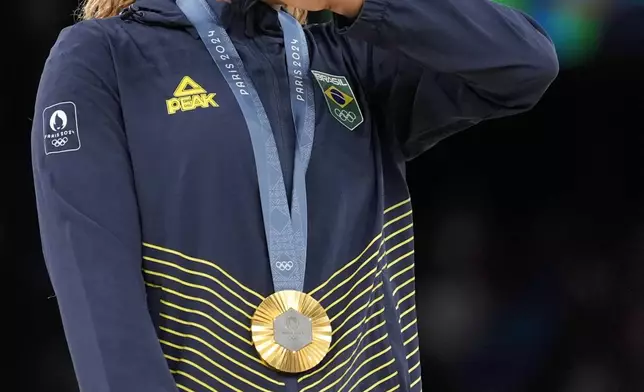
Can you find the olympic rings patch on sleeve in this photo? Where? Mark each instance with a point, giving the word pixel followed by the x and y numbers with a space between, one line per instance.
pixel 60 128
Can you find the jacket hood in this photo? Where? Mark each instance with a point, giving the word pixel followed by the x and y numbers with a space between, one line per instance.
pixel 250 16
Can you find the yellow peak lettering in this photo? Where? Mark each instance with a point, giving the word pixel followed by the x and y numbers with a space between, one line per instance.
pixel 190 96
pixel 191 102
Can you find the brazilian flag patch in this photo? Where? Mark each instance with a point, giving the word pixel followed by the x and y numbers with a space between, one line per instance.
pixel 340 99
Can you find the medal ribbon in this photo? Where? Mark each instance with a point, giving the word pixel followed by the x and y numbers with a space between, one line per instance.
pixel 286 229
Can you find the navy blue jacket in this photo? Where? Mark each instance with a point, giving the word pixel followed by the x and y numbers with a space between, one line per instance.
pixel 148 198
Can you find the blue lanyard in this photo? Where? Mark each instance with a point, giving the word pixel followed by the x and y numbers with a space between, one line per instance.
pixel 286 230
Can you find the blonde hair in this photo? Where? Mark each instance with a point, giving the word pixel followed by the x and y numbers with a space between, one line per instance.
pixel 298 14
pixel 98 9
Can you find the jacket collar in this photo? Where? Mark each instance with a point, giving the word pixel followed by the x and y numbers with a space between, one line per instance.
pixel 241 17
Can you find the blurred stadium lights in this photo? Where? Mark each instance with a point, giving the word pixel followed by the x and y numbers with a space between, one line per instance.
pixel 576 26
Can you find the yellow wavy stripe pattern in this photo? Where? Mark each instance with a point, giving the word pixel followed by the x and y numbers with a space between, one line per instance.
pixel 371 388
pixel 405 298
pixel 354 356
pixel 411 369
pixel 366 361
pixel 363 307
pixel 406 312
pixel 194 365
pixel 186 375
pixel 205 262
pixel 203 275
pixel 408 325
pixel 397 274
pixel 397 205
pixel 209 318
pixel 410 339
pixel 373 241
pixel 365 320
pixel 184 388
pixel 216 364
pixel 372 372
pixel 411 354
pixel 402 285
pixel 204 288
pixel 355 344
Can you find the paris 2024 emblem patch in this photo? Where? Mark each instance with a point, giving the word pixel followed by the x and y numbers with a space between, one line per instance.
pixel 340 99
pixel 60 128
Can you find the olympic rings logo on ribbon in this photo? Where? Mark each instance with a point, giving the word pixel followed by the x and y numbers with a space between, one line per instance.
pixel 59 142
pixel 284 265
pixel 345 115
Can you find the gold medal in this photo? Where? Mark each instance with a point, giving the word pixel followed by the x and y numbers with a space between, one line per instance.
pixel 291 331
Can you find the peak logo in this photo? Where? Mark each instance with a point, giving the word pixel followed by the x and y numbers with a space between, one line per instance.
pixel 188 96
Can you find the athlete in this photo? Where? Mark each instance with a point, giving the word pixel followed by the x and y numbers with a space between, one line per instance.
pixel 221 189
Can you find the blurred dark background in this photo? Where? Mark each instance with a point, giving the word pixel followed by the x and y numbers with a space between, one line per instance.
pixel 530 233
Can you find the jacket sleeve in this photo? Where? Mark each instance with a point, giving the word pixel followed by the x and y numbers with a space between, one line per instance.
pixel 89 219
pixel 435 67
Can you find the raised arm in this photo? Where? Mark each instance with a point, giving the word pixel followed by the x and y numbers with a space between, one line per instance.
pixel 89 219
pixel 439 66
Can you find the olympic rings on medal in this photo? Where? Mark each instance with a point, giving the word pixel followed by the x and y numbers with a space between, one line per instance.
pixel 284 265
pixel 59 142
pixel 345 116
